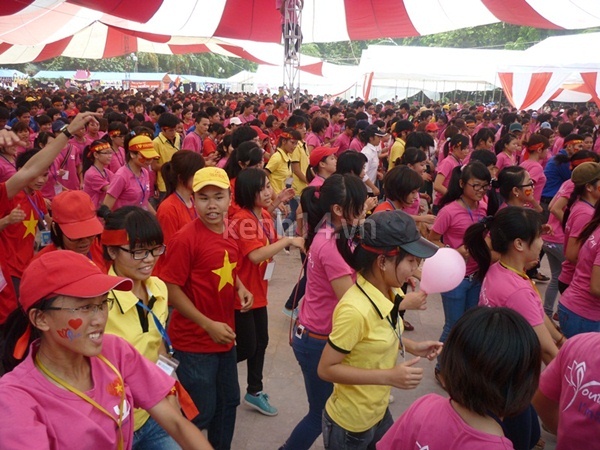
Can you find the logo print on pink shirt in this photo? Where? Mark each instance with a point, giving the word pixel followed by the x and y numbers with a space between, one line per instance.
pixel 575 380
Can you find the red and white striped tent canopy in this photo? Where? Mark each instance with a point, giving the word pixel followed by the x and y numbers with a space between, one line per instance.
pixel 111 27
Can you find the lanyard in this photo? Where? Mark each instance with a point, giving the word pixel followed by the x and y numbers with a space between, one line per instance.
pixel 522 275
pixel 159 327
pixel 393 323
pixel 262 224
pixel 139 183
pixel 117 153
pixel 83 396
pixel 34 206
pixel 391 204
pixel 192 216
pixel 103 175
pixel 469 211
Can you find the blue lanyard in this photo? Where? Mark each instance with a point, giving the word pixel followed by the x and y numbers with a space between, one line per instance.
pixel 38 210
pixel 139 184
pixel 159 327
pixel 267 233
pixel 195 215
pixel 469 211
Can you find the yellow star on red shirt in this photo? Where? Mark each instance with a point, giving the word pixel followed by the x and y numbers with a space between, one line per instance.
pixel 30 225
pixel 226 272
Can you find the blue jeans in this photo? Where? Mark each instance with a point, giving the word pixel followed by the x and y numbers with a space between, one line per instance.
pixel 308 353
pixel 457 301
pixel 555 259
pixel 151 436
pixel 572 324
pixel 338 438
pixel 211 379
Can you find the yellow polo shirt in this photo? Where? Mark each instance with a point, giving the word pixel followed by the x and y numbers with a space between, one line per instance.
pixel 166 150
pixel 280 169
pixel 362 332
pixel 396 152
pixel 124 321
pixel 300 156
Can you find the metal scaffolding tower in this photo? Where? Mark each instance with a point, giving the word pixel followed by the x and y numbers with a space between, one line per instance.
pixel 292 39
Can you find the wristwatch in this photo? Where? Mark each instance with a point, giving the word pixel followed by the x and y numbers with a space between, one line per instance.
pixel 66 132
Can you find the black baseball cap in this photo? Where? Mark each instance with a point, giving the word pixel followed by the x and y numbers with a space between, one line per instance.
pixel 387 230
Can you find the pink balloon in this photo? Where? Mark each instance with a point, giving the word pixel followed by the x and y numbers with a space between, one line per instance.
pixel 443 271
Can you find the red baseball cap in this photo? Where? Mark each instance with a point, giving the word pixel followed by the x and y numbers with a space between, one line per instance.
pixel 318 153
pixel 74 211
pixel 431 126
pixel 314 109
pixel 64 272
pixel 261 134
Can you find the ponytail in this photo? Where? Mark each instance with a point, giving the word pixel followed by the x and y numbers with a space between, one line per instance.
pixel 577 192
pixel 474 241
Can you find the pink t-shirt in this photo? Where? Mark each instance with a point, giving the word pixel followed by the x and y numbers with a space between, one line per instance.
pixel 118 160
pixel 504 160
pixel 314 140
pixel 572 380
pixel 558 235
pixel 577 298
pixel 192 142
pixel 343 143
pixel 7 169
pixel 536 172
pixel 452 222
pixel 413 209
pixel 129 189
pixel 38 414
pixel 581 214
pixel 356 145
pixel 317 181
pixel 558 145
pixel 503 287
pixel 324 265
pixel 69 160
pixel 432 423
pixel 445 168
pixel 94 181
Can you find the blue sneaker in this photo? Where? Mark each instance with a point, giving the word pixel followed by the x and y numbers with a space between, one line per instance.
pixel 260 402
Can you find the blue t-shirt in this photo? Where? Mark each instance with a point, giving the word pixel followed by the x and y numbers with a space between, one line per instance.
pixel 556 174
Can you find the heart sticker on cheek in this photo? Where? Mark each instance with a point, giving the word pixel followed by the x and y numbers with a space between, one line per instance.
pixel 75 323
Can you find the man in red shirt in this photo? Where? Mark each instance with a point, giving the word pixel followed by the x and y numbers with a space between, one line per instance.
pixel 200 271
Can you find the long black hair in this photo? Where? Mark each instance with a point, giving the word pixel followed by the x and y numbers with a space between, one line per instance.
pixel 510 223
pixel 462 174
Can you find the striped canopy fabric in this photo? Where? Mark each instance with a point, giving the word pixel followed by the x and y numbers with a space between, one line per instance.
pixel 99 29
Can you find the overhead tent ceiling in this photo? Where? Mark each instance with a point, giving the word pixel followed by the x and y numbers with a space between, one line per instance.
pixel 190 22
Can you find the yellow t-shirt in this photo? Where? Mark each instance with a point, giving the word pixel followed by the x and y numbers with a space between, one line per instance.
pixel 124 321
pixel 396 152
pixel 280 169
pixel 362 331
pixel 300 156
pixel 166 150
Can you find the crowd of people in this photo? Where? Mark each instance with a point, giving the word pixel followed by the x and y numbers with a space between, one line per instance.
pixel 139 233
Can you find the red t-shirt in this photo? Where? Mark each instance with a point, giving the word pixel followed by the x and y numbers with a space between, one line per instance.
pixel 8 298
pixel 209 146
pixel 17 240
pixel 204 264
pixel 96 254
pixel 252 235
pixel 173 215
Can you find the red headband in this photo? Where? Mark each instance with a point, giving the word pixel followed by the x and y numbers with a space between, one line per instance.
pixel 535 147
pixel 114 133
pixel 285 135
pixel 114 237
pixel 380 251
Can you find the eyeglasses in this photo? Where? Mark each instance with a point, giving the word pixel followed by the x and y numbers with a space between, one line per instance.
pixel 92 308
pixel 143 253
pixel 480 187
pixel 530 184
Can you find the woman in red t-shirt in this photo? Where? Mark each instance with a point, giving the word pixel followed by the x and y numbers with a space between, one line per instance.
pixel 258 242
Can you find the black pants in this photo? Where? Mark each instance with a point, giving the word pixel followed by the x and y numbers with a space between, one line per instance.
pixel 252 338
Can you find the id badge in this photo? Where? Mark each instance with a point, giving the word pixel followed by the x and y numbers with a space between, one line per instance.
pixel 65 175
pixel 167 365
pixel 269 270
pixel 45 238
pixel 58 188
